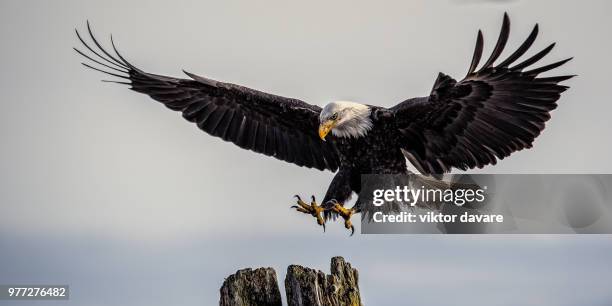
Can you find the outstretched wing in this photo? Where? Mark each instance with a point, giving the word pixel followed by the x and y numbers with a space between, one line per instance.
pixel 488 115
pixel 275 126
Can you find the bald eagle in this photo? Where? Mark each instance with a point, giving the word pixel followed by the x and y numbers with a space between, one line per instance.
pixel 492 112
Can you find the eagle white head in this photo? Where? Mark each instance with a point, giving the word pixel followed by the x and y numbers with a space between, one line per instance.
pixel 345 119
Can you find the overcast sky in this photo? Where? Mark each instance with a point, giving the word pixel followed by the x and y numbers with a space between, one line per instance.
pixel 105 190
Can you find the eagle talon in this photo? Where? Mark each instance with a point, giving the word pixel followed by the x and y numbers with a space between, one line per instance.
pixel 346 214
pixel 312 209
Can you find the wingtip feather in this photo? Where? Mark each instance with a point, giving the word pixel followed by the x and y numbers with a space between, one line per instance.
pixel 200 79
pixel 520 51
pixel 548 67
pixel 477 52
pixel 532 60
pixel 501 42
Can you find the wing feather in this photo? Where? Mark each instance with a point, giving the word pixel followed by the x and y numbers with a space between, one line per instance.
pixel 522 49
pixel 276 126
pixel 486 116
pixel 534 59
pixel 477 53
pixel 501 42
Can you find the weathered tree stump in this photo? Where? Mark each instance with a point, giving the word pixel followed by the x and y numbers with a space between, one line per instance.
pixel 308 287
pixel 303 286
pixel 250 287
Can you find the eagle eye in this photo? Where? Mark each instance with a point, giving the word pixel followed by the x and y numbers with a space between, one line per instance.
pixel 334 116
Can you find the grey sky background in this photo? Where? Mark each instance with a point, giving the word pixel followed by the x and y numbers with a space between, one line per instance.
pixel 105 190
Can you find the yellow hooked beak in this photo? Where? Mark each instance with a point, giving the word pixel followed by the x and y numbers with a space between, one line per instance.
pixel 325 127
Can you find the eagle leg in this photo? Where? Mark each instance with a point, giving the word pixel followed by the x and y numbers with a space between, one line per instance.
pixel 312 209
pixel 346 214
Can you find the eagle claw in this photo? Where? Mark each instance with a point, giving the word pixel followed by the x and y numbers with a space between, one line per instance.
pixel 346 214
pixel 312 209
